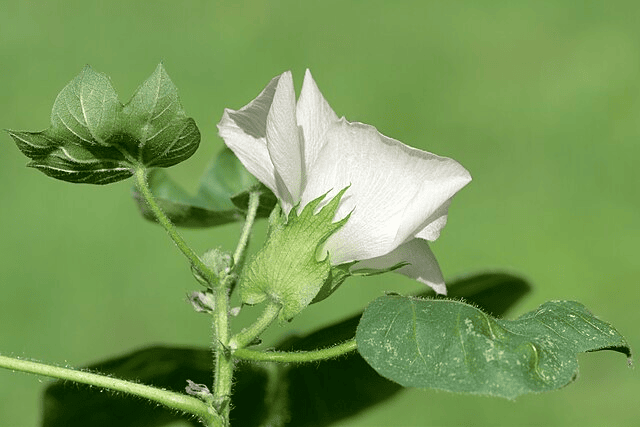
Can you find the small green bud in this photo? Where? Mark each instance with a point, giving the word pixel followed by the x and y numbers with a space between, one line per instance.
pixel 202 302
pixel 218 261
pixel 199 390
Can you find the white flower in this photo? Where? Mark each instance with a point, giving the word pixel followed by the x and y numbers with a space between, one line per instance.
pixel 398 196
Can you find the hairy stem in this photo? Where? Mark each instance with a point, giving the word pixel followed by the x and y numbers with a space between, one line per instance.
pixel 248 335
pixel 239 254
pixel 194 259
pixel 170 399
pixel 223 370
pixel 296 357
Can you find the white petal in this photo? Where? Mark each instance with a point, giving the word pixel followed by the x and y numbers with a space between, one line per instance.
pixel 284 141
pixel 423 264
pixel 394 192
pixel 314 116
pixel 244 132
pixel 441 179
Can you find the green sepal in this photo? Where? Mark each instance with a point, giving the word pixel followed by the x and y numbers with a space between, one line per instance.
pixel 95 139
pixel 289 270
pixel 341 272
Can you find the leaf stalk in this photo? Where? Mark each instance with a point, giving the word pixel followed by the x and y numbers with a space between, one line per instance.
pixel 194 259
pixel 297 357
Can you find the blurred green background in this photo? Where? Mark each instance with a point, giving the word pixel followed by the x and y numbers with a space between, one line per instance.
pixel 540 100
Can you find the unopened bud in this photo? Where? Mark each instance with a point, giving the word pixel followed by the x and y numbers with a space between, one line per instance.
pixel 202 302
pixel 198 390
pixel 218 261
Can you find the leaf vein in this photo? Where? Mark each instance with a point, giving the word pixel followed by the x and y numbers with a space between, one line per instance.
pixel 415 333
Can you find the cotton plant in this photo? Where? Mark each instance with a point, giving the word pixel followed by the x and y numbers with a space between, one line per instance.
pixel 341 199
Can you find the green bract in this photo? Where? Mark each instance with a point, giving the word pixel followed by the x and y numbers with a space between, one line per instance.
pixel 95 139
pixel 289 270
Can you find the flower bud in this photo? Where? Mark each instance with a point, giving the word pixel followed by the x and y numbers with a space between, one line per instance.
pixel 202 302
pixel 218 261
pixel 198 390
pixel 291 268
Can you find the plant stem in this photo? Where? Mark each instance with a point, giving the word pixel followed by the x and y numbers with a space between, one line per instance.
pixel 223 370
pixel 239 254
pixel 224 347
pixel 248 335
pixel 296 357
pixel 194 259
pixel 170 399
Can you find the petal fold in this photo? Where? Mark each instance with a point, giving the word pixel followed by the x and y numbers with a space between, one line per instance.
pixel 395 191
pixel 314 116
pixel 422 267
pixel 244 132
pixel 284 142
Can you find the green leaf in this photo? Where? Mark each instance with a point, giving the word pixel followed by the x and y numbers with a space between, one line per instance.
pixel 287 270
pixel 268 200
pixel 453 346
pixel 95 139
pixel 154 117
pixel 224 179
pixel 85 112
pixel 183 209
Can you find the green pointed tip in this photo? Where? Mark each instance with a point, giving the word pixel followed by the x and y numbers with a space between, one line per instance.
pixel 160 68
pixel 376 271
pixel 342 272
pixel 88 72
pixel 13 134
pixel 328 210
pixel 159 71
